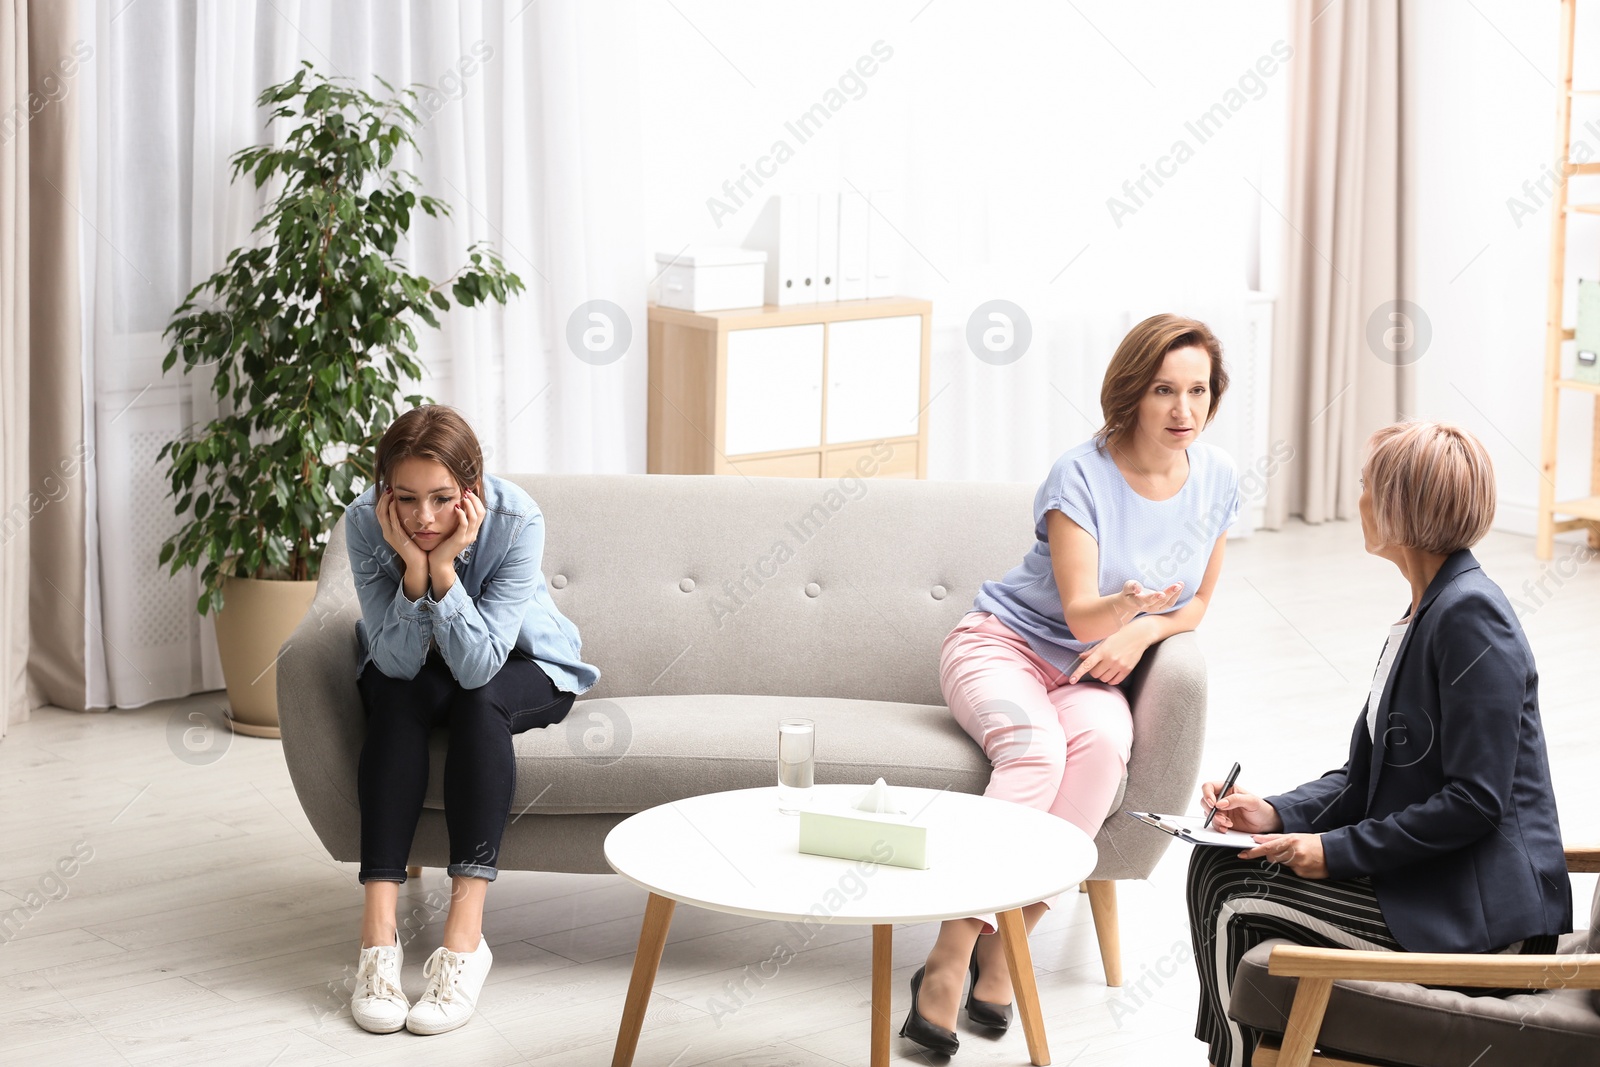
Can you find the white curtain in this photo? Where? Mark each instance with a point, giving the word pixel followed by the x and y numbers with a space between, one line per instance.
pixel 531 137
pixel 1337 379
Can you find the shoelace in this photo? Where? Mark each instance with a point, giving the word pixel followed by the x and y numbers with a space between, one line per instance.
pixel 441 971
pixel 373 982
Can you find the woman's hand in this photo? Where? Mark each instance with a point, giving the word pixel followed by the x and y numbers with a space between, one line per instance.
pixel 1136 598
pixel 443 555
pixel 1113 659
pixel 1241 811
pixel 1301 853
pixel 412 555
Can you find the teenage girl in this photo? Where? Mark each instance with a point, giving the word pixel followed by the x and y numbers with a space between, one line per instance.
pixel 457 631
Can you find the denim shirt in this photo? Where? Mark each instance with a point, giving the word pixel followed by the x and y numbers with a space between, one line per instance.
pixel 498 604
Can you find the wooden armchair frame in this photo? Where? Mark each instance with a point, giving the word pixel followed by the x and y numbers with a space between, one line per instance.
pixel 1317 968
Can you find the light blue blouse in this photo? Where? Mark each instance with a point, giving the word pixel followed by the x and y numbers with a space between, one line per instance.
pixel 497 605
pixel 1157 542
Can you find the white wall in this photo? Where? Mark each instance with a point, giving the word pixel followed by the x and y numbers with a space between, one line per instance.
pixel 1481 84
pixel 1006 128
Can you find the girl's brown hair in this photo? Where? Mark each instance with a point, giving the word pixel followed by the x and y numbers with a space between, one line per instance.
pixel 434 432
pixel 1137 362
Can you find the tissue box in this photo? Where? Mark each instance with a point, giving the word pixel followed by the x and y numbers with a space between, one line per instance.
pixel 861 835
pixel 712 279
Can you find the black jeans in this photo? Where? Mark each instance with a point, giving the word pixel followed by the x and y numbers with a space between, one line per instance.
pixel 479 768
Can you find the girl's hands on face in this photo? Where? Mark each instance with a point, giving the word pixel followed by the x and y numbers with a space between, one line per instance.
pixel 395 535
pixel 466 531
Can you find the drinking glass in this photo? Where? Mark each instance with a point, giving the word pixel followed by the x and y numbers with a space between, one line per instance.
pixel 797 764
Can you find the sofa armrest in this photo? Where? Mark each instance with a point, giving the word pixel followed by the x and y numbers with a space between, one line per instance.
pixel 1167 693
pixel 319 706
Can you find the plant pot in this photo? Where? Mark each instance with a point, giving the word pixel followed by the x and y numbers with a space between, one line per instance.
pixel 257 617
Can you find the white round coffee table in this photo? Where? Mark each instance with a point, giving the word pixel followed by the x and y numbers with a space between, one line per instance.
pixel 734 852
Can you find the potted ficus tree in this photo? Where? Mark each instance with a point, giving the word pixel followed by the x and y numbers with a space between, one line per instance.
pixel 309 332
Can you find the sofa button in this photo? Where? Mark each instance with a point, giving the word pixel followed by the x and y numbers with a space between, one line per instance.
pixel 939 592
pixel 813 589
pixel 558 582
pixel 687 585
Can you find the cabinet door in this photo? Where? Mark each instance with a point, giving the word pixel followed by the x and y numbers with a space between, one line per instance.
pixel 874 378
pixel 774 398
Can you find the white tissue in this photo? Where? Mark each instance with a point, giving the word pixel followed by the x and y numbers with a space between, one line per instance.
pixel 876 800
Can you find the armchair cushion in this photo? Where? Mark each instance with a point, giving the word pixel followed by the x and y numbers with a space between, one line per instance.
pixel 1399 1022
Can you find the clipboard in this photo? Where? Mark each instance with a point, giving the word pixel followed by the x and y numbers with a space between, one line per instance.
pixel 1188 828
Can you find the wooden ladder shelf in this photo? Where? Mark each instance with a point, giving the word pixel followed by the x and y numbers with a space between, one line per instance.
pixel 1583 513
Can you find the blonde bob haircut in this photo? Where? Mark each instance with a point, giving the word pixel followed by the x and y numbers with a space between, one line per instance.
pixel 1432 486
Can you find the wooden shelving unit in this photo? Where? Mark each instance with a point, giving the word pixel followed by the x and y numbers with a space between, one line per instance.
pixel 1558 516
pixel 804 391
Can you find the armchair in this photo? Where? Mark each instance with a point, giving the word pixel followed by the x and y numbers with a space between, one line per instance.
pixel 1372 1007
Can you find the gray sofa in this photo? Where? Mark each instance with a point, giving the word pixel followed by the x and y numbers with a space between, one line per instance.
pixel 713 607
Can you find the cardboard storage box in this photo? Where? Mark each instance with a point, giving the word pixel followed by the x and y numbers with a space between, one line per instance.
pixel 712 279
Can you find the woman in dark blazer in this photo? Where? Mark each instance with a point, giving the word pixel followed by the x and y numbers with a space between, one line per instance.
pixel 1439 833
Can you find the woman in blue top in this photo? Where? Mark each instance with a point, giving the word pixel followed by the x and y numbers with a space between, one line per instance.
pixel 1129 530
pixel 457 630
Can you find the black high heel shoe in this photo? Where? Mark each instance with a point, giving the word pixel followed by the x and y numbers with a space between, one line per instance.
pixel 931 1037
pixel 981 1012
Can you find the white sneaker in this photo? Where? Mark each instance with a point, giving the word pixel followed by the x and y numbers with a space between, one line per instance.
pixel 454 981
pixel 378 1004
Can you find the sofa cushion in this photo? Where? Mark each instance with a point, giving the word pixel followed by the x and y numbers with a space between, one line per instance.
pixel 1400 1022
pixel 627 754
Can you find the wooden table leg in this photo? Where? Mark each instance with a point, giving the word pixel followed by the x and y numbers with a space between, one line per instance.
pixel 652 939
pixel 882 996
pixel 1014 936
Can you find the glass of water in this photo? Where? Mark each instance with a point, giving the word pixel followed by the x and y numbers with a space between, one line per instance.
pixel 797 764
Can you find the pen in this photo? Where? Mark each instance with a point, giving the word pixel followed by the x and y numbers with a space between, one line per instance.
pixel 1227 785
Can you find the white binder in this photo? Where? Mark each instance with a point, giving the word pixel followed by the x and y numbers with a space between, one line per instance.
pixel 883 244
pixel 853 212
pixel 827 248
pixel 804 253
pixel 787 231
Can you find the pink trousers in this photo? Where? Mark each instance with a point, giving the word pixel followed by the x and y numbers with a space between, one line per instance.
pixel 1055 746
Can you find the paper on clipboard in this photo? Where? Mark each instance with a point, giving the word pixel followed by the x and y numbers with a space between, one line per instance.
pixel 1188 828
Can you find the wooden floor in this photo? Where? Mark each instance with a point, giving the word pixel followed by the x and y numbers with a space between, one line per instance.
pixel 207 925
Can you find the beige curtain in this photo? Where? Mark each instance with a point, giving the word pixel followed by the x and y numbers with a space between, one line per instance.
pixel 43 447
pixel 1345 336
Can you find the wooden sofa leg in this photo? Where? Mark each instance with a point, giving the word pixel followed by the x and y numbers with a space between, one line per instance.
pixel 413 872
pixel 1103 905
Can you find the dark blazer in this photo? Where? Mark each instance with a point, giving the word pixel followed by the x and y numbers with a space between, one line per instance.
pixel 1451 812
